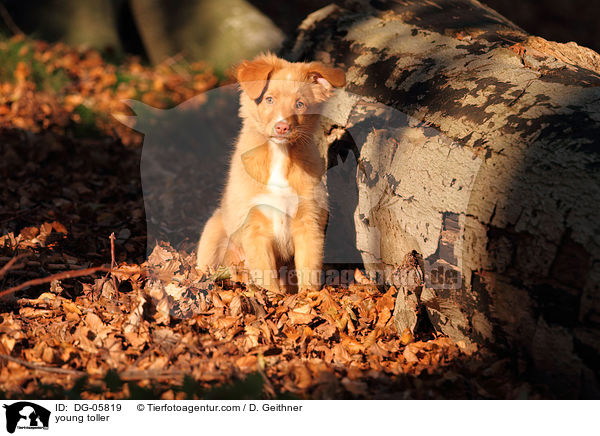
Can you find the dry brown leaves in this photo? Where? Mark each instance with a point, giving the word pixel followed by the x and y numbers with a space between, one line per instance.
pixel 166 331
pixel 332 343
pixel 54 86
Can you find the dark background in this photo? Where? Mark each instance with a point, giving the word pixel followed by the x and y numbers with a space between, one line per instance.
pixel 216 30
pixel 555 20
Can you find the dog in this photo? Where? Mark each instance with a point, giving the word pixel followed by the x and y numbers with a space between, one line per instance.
pixel 273 210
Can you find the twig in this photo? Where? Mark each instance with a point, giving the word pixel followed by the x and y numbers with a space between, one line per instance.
pixel 429 2
pixel 19 213
pixel 58 276
pixel 10 23
pixel 144 354
pixel 125 375
pixel 10 263
pixel 113 264
pixel 269 388
pixel 142 375
pixel 42 367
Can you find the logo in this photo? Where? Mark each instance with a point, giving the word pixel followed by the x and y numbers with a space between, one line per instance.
pixel 26 415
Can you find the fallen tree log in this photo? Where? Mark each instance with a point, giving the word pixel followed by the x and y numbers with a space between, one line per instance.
pixel 480 173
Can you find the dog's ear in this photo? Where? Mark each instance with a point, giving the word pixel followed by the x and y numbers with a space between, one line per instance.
pixel 253 76
pixel 325 76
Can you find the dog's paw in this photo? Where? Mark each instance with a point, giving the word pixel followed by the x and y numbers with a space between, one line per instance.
pixel 309 287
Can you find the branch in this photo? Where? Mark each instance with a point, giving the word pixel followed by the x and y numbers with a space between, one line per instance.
pixel 58 276
pixel 134 375
pixel 129 375
pixel 10 23
pixel 113 264
pixel 41 367
pixel 10 263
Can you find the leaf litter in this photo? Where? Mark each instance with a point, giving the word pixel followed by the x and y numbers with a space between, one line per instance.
pixel 154 327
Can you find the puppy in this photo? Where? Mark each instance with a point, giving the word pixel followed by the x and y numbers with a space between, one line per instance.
pixel 274 208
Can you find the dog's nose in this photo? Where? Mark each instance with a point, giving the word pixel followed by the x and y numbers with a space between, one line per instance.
pixel 282 127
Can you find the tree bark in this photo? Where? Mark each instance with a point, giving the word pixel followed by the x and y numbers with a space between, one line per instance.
pixel 221 33
pixel 149 16
pixel 477 153
pixel 90 24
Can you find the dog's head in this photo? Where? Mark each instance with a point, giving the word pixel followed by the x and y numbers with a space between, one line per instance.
pixel 282 100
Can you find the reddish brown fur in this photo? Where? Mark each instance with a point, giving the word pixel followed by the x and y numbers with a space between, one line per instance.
pixel 274 207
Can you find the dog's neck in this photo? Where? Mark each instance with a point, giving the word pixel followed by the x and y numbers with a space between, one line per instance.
pixel 279 161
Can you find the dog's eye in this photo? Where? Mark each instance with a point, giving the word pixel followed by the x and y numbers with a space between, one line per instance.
pixel 299 104
pixel 269 100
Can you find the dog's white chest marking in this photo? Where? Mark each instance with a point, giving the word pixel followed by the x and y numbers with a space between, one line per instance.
pixel 280 202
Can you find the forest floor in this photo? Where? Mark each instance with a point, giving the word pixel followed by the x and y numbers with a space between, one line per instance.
pixel 153 328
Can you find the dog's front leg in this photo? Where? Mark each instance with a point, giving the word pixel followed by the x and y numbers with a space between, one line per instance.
pixel 308 237
pixel 257 243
